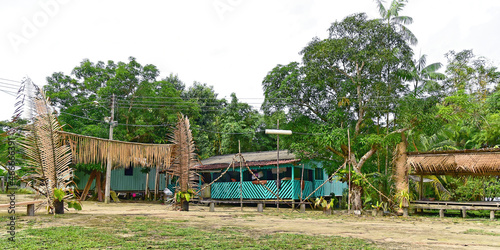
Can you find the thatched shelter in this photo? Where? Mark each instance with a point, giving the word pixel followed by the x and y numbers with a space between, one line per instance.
pixel 477 162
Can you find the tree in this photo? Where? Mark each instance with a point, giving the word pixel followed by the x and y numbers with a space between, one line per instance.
pixel 392 18
pixel 339 86
pixel 426 75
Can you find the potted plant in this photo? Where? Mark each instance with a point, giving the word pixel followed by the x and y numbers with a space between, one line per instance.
pixel 59 195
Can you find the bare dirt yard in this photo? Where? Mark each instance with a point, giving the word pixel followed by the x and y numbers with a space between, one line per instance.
pixel 390 232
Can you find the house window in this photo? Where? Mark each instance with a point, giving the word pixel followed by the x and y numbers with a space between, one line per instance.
pixel 129 171
pixel 318 174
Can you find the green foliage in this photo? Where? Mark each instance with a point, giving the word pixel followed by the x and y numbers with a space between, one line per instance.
pixel 59 194
pixel 184 195
pixel 75 204
pixel 474 188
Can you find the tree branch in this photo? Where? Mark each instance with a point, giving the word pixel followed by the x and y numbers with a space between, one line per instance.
pixel 335 151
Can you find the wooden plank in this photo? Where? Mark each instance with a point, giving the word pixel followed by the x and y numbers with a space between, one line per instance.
pixel 23 203
pixel 98 186
pixel 88 185
pixel 455 207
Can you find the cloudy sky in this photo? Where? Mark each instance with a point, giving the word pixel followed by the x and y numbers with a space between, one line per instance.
pixel 229 44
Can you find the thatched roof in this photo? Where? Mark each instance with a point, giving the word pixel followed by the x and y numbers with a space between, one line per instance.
pixel 460 162
pixel 252 159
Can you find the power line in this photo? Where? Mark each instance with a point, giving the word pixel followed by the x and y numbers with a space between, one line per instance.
pixel 10 80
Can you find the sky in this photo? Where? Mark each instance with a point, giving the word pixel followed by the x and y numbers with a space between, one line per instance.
pixel 228 44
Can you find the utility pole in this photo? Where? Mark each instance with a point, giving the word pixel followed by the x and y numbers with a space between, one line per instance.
pixel 278 169
pixel 278 132
pixel 241 176
pixel 109 165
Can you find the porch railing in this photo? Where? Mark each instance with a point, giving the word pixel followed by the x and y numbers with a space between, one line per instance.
pixel 231 190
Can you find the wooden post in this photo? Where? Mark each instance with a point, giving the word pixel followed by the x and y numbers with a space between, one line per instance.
pixel 421 191
pixel 212 207
pixel 31 210
pixel 109 162
pixel 302 208
pixel 260 207
pixel 464 212
pixel 88 185
pixel 98 186
pixel 441 213
pixel 278 172
pixel 302 183
pixel 157 182
pixel 293 187
pixel 146 190
pixel 241 177
pixel 492 214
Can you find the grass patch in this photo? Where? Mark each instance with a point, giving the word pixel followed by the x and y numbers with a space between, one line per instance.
pixel 480 232
pixel 141 233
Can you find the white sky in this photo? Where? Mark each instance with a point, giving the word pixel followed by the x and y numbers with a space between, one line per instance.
pixel 231 49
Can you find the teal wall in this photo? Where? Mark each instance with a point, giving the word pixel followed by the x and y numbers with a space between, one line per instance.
pixel 314 176
pixel 122 182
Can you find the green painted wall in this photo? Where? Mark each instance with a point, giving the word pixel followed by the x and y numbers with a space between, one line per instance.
pixel 122 182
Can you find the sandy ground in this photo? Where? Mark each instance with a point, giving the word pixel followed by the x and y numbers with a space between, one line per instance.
pixel 415 232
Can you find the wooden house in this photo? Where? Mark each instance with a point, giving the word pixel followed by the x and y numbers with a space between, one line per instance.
pixel 264 166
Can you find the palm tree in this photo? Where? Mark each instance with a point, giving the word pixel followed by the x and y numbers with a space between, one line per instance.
pixel 392 17
pixel 426 74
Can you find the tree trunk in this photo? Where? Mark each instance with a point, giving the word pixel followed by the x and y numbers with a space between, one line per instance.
pixel 356 192
pixel 58 206
pixel 401 173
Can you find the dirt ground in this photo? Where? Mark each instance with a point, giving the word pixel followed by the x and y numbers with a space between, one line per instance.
pixel 392 232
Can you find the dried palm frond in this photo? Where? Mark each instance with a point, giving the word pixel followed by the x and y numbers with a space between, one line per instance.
pixel 47 156
pixel 87 149
pixel 185 157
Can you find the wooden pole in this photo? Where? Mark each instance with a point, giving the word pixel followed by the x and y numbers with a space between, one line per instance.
pixel 88 185
pixel 349 160
pixel 109 163
pixel 157 180
pixel 293 187
pixel 301 181
pixel 241 177
pixel 146 190
pixel 98 186
pixel 278 170
pixel 421 191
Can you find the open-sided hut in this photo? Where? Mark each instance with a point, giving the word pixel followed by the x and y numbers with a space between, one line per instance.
pixel 263 165
pixel 480 162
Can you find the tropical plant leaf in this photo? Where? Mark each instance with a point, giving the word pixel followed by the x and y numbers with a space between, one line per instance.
pixel 48 157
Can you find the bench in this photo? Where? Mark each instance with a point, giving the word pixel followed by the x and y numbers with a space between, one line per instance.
pixel 260 203
pixel 30 206
pixel 452 205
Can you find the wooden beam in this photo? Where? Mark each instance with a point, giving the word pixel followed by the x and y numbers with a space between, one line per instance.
pixel 98 186
pixel 88 185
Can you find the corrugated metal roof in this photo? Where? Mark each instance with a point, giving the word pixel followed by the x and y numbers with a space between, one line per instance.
pixel 252 159
pixel 251 156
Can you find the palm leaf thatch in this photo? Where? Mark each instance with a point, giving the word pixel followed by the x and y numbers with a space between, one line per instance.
pixel 87 149
pixel 457 162
pixel 185 157
pixel 47 156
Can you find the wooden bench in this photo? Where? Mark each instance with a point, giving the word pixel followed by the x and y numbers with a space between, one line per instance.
pixel 30 206
pixel 260 203
pixel 453 205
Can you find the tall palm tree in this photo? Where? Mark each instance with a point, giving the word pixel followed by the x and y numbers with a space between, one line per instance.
pixel 392 17
pixel 425 74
